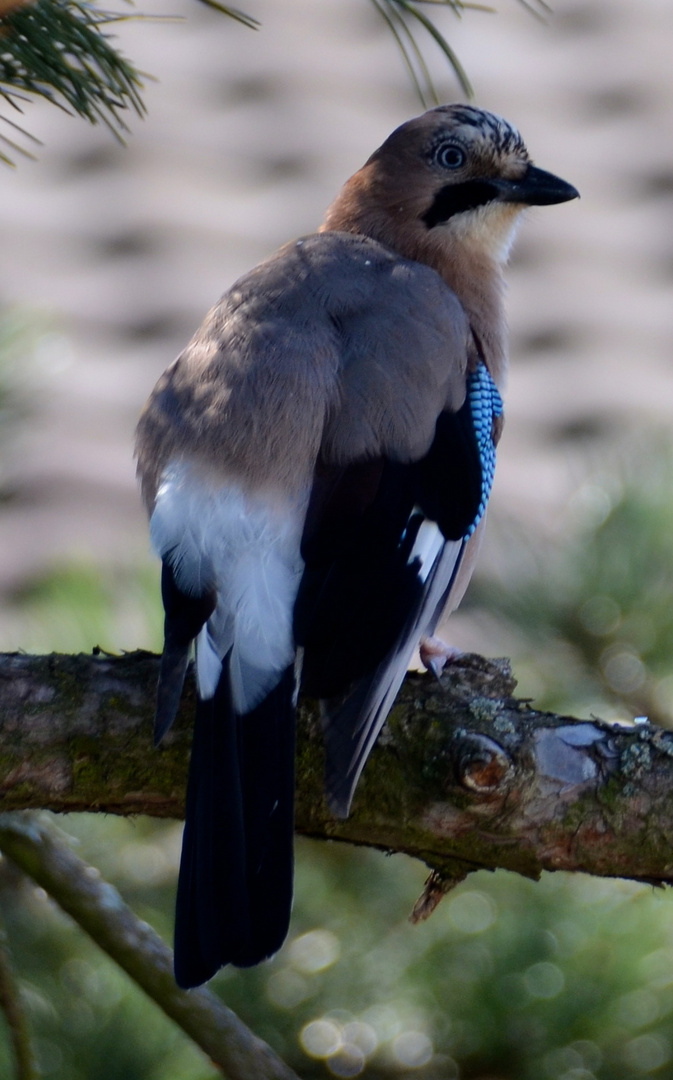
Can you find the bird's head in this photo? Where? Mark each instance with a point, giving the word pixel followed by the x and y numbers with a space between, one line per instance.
pixel 454 179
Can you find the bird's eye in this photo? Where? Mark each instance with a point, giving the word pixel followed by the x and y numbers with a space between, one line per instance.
pixel 449 156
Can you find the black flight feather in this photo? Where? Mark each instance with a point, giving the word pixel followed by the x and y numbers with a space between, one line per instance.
pixel 235 885
pixel 359 587
pixel 364 602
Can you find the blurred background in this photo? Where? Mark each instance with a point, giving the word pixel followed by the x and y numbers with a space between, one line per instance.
pixel 109 258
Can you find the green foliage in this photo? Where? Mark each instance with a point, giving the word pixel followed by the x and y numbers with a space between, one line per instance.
pixel 511 980
pixel 589 613
pixel 59 50
pixel 77 606
pixel 20 334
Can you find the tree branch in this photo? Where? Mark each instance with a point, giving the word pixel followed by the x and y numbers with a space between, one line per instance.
pixel 464 776
pixel 36 847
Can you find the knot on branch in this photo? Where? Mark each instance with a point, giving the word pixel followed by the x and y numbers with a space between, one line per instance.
pixel 482 765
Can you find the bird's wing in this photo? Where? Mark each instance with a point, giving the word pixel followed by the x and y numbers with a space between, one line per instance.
pixel 403 341
pixel 383 545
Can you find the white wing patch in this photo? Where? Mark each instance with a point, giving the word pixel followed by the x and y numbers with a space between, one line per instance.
pixel 247 546
pixel 427 546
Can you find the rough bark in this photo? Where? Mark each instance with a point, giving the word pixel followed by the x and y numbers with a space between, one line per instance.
pixel 464 776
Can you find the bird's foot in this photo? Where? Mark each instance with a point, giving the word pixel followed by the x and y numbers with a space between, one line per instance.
pixel 436 654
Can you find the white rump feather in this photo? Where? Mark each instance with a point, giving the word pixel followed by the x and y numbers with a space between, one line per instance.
pixel 246 545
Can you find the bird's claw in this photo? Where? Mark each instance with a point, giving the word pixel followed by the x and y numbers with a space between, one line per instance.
pixel 435 654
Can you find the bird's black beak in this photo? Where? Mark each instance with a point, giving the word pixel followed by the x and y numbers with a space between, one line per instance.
pixel 536 188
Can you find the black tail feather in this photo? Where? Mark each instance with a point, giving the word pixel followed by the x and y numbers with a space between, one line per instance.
pixel 267 751
pixel 185 615
pixel 235 885
pixel 172 672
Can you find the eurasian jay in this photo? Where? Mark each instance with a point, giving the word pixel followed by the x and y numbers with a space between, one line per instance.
pixel 316 467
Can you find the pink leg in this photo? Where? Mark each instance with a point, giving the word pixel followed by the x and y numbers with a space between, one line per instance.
pixel 435 654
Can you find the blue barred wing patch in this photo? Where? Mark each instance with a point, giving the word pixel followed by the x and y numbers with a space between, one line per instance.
pixel 485 405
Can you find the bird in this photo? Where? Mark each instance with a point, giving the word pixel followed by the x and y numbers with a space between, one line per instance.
pixel 316 466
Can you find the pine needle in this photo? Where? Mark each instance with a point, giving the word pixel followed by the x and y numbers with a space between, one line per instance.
pixel 60 50
pixel 233 13
pixel 400 16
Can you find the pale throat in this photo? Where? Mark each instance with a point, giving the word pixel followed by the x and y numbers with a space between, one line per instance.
pixel 471 258
pixel 488 232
